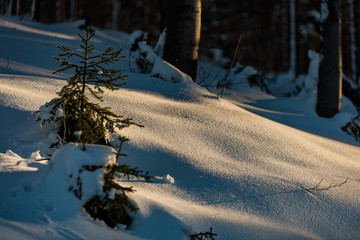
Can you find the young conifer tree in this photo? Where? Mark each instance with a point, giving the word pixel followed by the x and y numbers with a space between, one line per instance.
pixel 81 120
pixel 113 205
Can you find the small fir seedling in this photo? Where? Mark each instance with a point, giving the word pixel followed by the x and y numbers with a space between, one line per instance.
pixel 116 208
pixel 352 128
pixel 82 121
pixel 79 119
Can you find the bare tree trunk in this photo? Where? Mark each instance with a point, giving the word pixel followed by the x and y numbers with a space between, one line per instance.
pixel 357 38
pixel 114 14
pixel 32 12
pixel 285 35
pixel 58 17
pixel 72 10
pixel 17 12
pixel 9 8
pixel 183 34
pixel 293 35
pixel 353 48
pixel 330 71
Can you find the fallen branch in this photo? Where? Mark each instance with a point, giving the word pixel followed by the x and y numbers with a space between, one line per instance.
pixel 317 187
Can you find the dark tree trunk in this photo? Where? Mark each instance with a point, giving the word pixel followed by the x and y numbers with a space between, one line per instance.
pixel 330 71
pixel 357 39
pixel 293 39
pixel 183 34
pixel 45 11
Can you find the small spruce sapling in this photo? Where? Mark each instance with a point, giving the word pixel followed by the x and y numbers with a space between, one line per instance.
pixel 116 208
pixel 81 120
pixel 352 128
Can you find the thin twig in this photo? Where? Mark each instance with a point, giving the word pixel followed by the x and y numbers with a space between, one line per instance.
pixel 118 153
pixel 64 112
pixel 8 63
pixel 42 159
pixel 99 138
pixel 201 236
pixel 231 66
pixel 130 69
pixel 317 188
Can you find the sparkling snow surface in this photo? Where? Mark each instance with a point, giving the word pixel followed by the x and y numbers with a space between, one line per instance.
pixel 239 165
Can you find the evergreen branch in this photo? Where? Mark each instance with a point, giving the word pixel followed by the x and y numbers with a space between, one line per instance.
pixel 74 79
pixel 127 172
pixel 95 94
pixel 109 49
pixel 68 52
pixel 63 69
pixel 122 141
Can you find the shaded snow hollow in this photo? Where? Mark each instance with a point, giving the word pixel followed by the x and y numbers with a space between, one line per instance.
pixel 239 165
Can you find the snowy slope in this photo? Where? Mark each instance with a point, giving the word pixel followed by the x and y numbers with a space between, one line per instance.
pixel 239 165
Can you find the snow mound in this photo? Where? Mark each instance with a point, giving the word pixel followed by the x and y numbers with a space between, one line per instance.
pixel 12 162
pixel 73 165
pixel 161 68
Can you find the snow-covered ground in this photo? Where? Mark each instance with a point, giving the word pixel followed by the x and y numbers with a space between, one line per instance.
pixel 240 165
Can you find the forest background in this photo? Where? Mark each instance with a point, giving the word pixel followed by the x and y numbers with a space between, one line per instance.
pixel 276 35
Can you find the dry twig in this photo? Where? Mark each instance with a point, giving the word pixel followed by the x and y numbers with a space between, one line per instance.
pixel 318 188
pixel 42 159
pixel 232 63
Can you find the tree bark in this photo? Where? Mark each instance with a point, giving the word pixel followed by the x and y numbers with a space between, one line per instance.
pixel 330 70
pixel 353 48
pixel 9 8
pixel 293 37
pixel 114 22
pixel 32 14
pixel 183 34
pixel 357 38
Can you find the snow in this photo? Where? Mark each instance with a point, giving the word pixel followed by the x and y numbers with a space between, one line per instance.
pixel 306 82
pixel 239 164
pixel 161 68
pixel 20 27
pixel 136 36
pixel 324 11
pixel 70 161
pixel 159 47
pixel 315 14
